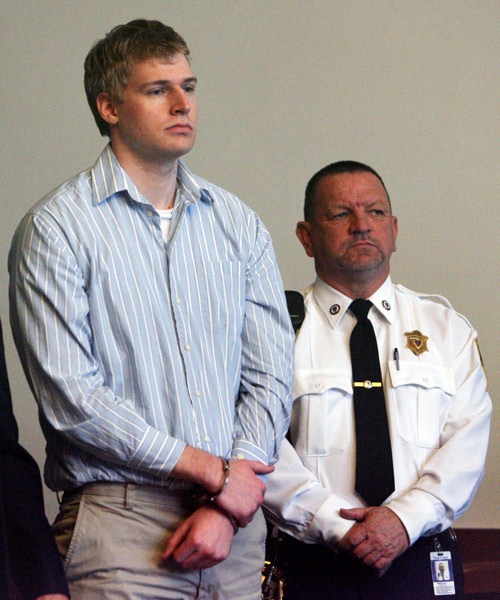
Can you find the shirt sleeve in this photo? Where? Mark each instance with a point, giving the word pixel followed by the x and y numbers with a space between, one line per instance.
pixel 450 477
pixel 52 328
pixel 299 505
pixel 264 402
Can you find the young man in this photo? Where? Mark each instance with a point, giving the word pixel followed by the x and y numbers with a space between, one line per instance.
pixel 375 532
pixel 149 314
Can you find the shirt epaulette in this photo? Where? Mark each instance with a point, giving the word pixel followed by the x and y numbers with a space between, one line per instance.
pixel 436 298
pixel 433 297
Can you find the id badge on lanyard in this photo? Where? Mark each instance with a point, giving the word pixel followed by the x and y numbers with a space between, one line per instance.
pixel 442 571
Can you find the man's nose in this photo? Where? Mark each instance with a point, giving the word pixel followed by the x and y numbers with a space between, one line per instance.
pixel 180 102
pixel 359 222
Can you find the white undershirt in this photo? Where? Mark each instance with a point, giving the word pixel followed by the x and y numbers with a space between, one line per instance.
pixel 165 219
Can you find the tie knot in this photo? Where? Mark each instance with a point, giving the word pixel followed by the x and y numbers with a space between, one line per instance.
pixel 360 308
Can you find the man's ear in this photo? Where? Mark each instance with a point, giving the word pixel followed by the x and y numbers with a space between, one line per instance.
pixel 303 232
pixel 395 227
pixel 107 108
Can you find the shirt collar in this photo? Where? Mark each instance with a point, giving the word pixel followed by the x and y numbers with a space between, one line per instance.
pixel 334 304
pixel 383 301
pixel 192 187
pixel 110 178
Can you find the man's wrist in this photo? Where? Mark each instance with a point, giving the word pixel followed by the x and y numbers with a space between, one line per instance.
pixel 226 471
pixel 209 496
pixel 229 516
pixel 202 468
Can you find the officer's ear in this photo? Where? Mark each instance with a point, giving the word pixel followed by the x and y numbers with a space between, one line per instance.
pixel 395 229
pixel 303 232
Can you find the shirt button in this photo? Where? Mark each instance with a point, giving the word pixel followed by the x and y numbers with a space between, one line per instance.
pixel 187 347
pixel 198 393
pixel 149 213
pixel 178 300
pixel 239 456
pixel 207 438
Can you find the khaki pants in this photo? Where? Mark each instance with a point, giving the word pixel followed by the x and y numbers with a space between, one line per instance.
pixel 111 537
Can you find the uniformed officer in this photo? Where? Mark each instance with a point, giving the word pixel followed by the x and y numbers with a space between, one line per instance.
pixel 436 405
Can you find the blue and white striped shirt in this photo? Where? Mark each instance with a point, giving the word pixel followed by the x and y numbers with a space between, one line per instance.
pixel 135 348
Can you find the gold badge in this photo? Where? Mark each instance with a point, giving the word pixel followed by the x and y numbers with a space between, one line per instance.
pixel 416 342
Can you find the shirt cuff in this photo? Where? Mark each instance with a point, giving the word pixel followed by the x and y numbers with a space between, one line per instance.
pixel 156 454
pixel 420 512
pixel 328 525
pixel 247 450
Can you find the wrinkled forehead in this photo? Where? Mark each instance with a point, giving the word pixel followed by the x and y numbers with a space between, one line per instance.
pixel 351 188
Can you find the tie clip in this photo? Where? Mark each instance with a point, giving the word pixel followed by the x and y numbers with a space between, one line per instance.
pixel 367 384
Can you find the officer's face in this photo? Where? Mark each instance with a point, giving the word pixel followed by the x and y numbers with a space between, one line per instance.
pixel 353 231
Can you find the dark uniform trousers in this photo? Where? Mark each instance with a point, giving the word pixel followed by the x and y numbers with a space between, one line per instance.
pixel 313 572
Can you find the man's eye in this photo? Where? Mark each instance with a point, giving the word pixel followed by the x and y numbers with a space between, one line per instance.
pixel 156 92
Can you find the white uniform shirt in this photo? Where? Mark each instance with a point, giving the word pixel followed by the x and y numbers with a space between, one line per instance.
pixel 438 411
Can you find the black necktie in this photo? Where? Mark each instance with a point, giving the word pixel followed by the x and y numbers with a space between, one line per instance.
pixel 374 472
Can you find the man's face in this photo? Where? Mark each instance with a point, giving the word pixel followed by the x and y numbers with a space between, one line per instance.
pixel 353 232
pixel 156 120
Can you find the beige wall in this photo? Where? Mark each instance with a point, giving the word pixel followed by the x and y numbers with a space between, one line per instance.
pixel 411 87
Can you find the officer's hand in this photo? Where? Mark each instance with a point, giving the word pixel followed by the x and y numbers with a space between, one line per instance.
pixel 377 538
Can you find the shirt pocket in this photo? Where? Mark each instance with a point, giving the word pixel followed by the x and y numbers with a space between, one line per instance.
pixel 422 395
pixel 221 292
pixel 322 411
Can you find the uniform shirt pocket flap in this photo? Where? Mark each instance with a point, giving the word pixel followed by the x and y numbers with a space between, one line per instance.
pixel 423 375
pixel 317 381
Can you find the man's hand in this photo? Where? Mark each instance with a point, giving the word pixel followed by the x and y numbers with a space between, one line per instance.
pixel 376 539
pixel 202 540
pixel 244 493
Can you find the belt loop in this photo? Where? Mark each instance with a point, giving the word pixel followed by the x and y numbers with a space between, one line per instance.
pixel 129 496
